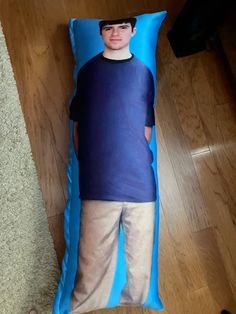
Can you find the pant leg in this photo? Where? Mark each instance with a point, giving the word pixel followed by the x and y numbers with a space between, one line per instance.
pixel 97 257
pixel 138 221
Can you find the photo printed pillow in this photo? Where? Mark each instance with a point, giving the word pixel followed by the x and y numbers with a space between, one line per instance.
pixel 111 219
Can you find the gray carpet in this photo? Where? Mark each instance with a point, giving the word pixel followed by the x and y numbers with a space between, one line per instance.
pixel 29 270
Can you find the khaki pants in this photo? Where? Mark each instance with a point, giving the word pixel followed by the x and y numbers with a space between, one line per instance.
pixel 99 234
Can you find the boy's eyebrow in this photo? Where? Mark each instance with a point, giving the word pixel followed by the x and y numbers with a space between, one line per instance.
pixel 119 25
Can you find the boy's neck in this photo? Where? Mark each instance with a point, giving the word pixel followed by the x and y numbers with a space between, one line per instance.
pixel 120 54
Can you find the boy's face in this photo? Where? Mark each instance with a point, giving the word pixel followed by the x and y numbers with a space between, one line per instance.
pixel 117 36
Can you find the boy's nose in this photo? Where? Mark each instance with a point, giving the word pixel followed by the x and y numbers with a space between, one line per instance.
pixel 115 31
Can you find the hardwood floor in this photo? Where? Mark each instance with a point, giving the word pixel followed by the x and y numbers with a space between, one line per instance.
pixel 196 136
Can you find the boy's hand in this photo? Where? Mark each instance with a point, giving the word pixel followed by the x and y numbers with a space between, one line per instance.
pixel 76 138
pixel 148 133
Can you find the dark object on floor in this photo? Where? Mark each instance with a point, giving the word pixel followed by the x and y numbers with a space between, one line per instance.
pixel 196 23
pixel 225 312
pixel 227 45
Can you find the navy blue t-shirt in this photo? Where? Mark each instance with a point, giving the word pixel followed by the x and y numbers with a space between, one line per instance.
pixel 113 103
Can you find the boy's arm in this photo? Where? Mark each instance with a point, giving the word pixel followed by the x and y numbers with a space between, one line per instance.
pixel 75 112
pixel 150 118
pixel 76 138
pixel 148 133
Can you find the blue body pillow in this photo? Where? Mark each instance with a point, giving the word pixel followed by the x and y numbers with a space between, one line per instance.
pixel 93 69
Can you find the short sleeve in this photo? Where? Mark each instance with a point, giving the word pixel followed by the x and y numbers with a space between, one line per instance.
pixel 75 103
pixel 74 112
pixel 150 118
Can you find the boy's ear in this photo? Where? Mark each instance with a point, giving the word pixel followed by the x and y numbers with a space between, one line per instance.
pixel 134 31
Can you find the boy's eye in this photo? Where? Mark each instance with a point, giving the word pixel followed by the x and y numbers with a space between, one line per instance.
pixel 124 27
pixel 107 28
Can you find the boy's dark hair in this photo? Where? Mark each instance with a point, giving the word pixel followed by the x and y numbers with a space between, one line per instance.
pixel 131 20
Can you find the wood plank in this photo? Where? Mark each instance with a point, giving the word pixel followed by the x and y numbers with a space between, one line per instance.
pixel 219 122
pixel 215 273
pixel 179 152
pixel 217 202
pixel 172 285
pixel 217 77
pixel 129 309
pixel 201 301
pixel 150 311
pixel 56 226
pixel 185 104
pixel 177 221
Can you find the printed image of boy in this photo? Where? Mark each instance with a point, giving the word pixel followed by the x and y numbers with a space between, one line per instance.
pixel 113 114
